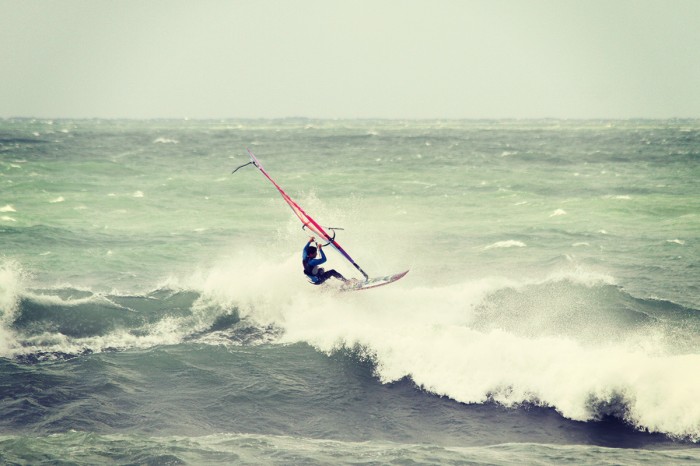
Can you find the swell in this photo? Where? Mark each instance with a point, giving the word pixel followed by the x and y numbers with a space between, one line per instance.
pixel 231 448
pixel 590 350
pixel 597 314
pixel 586 348
pixel 64 323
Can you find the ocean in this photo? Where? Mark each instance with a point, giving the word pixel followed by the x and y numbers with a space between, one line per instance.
pixel 153 308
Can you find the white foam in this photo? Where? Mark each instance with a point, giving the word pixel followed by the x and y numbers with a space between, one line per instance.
pixel 429 334
pixel 167 331
pixel 53 300
pixel 558 213
pixel 56 200
pixel 675 241
pixel 425 334
pixel 11 285
pixel 7 208
pixel 162 140
pixel 137 194
pixel 506 244
pixel 7 218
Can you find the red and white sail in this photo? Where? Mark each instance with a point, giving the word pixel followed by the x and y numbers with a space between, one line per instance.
pixel 306 220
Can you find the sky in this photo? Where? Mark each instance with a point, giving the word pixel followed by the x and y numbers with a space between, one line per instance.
pixel 401 59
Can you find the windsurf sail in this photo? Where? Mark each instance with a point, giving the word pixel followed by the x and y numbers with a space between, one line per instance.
pixel 306 220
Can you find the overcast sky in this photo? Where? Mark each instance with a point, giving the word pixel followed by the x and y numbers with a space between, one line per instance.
pixel 350 59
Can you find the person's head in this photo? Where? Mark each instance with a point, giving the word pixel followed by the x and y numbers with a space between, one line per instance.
pixel 311 251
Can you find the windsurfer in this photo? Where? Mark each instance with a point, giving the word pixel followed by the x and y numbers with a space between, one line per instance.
pixel 311 265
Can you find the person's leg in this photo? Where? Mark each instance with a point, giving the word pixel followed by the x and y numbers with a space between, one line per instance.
pixel 337 275
pixel 328 274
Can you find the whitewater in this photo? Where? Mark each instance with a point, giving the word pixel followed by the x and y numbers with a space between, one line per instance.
pixel 153 306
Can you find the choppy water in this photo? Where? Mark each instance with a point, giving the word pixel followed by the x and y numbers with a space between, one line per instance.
pixel 153 308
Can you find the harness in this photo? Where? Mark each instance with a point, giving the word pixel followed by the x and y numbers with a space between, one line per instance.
pixel 314 277
pixel 309 271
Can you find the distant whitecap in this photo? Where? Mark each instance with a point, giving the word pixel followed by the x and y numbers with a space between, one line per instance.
pixel 511 243
pixel 137 194
pixel 162 140
pixel 57 200
pixel 558 213
pixel 7 208
pixel 675 241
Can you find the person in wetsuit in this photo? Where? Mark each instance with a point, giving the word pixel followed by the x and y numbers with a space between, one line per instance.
pixel 311 264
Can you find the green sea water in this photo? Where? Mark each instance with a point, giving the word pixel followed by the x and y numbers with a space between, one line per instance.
pixel 97 196
pixel 553 266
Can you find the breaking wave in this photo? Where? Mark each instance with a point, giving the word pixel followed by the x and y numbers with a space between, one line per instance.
pixel 574 341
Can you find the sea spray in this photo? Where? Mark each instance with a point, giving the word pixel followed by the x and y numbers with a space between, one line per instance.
pixel 432 336
pixel 12 279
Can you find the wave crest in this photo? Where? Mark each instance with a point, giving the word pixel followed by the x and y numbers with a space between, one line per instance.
pixel 574 341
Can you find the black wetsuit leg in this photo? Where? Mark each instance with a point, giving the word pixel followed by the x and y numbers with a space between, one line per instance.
pixel 328 274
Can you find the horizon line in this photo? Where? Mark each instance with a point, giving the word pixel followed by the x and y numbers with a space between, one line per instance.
pixel 305 118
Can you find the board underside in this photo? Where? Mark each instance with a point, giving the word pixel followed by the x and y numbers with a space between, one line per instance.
pixel 373 282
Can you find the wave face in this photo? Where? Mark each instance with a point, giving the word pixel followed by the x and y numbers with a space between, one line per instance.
pixel 578 344
pixel 551 306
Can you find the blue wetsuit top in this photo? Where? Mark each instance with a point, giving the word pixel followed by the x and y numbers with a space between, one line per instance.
pixel 309 264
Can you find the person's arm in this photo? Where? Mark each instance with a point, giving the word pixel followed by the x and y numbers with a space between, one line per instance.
pixel 321 260
pixel 305 253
